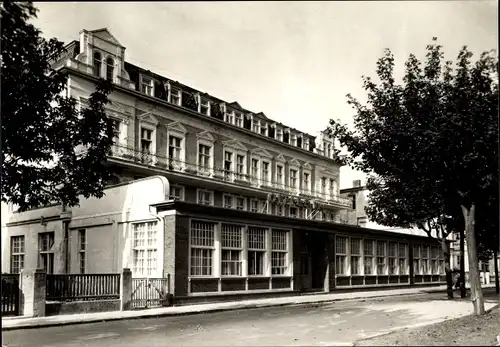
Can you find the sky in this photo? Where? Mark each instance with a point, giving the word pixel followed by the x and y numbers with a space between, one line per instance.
pixel 294 61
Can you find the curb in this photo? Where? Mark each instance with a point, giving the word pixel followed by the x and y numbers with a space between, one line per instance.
pixel 146 315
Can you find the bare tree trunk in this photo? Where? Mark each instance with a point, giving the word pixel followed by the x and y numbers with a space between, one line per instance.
pixel 462 264
pixel 447 268
pixel 497 280
pixel 476 292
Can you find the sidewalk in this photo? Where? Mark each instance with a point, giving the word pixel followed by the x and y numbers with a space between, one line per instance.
pixel 11 323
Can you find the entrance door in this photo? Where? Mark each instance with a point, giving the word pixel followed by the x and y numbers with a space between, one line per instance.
pixel 305 267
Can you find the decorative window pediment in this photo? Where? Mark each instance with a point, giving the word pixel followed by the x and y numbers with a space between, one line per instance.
pixel 307 166
pixel 176 127
pixel 235 145
pixel 116 107
pixel 205 135
pixel 281 158
pixel 148 118
pixel 294 162
pixel 261 152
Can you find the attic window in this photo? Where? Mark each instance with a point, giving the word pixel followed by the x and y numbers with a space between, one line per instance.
pixel 110 67
pixel 97 64
pixel 175 96
pixel 256 126
pixel 147 85
pixel 286 136
pixel 205 107
pixel 263 129
pixel 299 142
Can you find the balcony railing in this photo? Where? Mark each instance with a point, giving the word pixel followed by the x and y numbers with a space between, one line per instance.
pixel 221 174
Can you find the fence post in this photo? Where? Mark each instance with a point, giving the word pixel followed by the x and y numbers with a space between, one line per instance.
pixel 33 291
pixel 126 289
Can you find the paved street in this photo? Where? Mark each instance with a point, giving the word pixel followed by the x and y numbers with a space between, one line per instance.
pixel 311 324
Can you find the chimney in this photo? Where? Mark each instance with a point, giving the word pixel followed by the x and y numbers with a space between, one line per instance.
pixel 356 183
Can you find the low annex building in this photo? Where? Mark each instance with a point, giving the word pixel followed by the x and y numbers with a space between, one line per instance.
pixel 212 251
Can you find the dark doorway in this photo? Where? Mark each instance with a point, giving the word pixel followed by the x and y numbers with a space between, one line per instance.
pixel 313 261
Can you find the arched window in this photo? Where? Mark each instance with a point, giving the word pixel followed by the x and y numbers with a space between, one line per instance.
pixel 110 66
pixel 97 64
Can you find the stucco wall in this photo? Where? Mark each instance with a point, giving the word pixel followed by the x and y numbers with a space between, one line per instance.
pixel 107 222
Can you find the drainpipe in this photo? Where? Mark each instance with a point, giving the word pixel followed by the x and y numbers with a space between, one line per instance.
pixel 66 217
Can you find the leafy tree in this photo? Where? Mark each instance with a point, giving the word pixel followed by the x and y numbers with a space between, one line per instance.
pixel 42 128
pixel 427 144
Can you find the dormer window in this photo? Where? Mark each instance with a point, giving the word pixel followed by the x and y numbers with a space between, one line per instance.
pixel 175 96
pixel 205 107
pixel 299 141
pixel 329 150
pixel 147 85
pixel 97 64
pixel 256 126
pixel 110 67
pixel 286 137
pixel 306 144
pixel 263 129
pixel 238 119
pixel 279 134
pixel 229 117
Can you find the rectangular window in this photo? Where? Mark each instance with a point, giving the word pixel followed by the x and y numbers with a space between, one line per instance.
pixel 434 260
pixel 228 201
pixel 279 246
pixel 280 179
pixel 416 260
pixel 306 181
pixel 175 96
pixel 341 255
pixel 255 168
pixel 293 178
pixel 16 254
pixel 323 185
pixel 46 251
pixel 205 197
pixel 228 165
pixel 263 208
pixel 368 257
pixel 174 149
pixel 254 205
pixel 393 255
pixel 147 85
pixel 256 251
pixel 231 248
pixel 146 140
pixel 381 258
pixel 425 260
pixel 279 134
pixel 203 156
pixel 265 173
pixel 230 117
pixel 176 193
pixel 240 167
pixel 263 129
pixel 256 125
pixel 145 248
pixel 240 203
pixel 293 212
pixel 82 242
pixel 355 256
pixel 205 107
pixel 202 245
pixel 279 210
pixel 331 188
pixel 238 119
pixel 403 259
